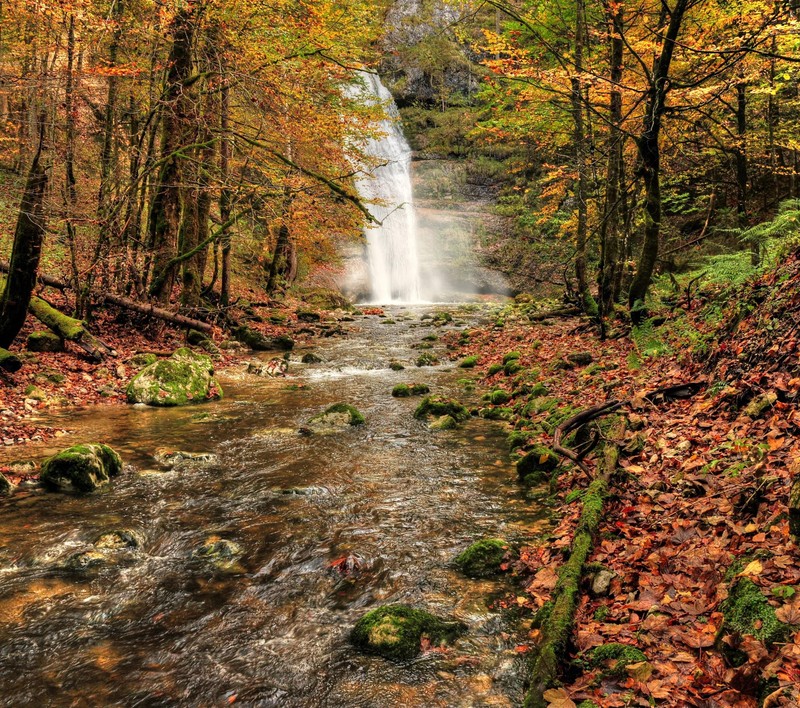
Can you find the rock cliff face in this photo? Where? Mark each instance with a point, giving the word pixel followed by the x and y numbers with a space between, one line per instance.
pixel 423 61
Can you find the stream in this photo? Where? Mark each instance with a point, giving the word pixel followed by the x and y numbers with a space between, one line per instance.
pixel 153 627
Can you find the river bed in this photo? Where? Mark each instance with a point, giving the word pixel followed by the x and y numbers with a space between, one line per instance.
pixel 156 628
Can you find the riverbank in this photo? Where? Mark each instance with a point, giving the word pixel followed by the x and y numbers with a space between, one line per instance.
pixel 691 592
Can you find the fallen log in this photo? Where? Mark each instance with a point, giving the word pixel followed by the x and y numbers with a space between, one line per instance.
pixel 557 627
pixel 127 303
pixel 69 328
pixel 9 361
pixel 560 312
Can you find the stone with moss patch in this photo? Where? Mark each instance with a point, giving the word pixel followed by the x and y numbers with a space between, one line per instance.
pixel 427 359
pixel 45 342
pixel 469 362
pixel 396 366
pixel 538 459
pixel 484 558
pixel 746 611
pixel 337 416
pixel 220 553
pixel 117 540
pixel 143 359
pixel 580 358
pixel 499 413
pixel 396 631
pixel 613 658
pixel 511 356
pixel 405 390
pixel 498 397
pixel 81 468
pixel 445 422
pixel 186 377
pixel 438 406
pixel 494 369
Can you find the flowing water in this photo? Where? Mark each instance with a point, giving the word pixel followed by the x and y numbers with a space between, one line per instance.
pixel 392 251
pixel 155 627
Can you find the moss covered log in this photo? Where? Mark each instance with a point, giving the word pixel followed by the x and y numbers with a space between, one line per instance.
pixel 68 328
pixel 557 627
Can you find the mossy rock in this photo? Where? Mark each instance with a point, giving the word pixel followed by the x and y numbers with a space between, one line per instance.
pixel 5 485
pixel 614 658
pixel 511 356
pixel 445 422
pixel 498 397
pixel 512 367
pixel 469 362
pixel 396 366
pixel 258 342
pixel 339 415
pixel 539 390
pixel 81 468
pixel 746 611
pixel 499 413
pixel 439 406
pixel 45 342
pixel 396 631
pixel 494 369
pixel 427 359
pixel 442 317
pixel 483 558
pixel 197 338
pixel 219 553
pixel 405 390
pixel 86 560
pixel 307 316
pixel 538 459
pixel 142 360
pixel 517 439
pixel 186 377
pixel 117 540
pixel 580 358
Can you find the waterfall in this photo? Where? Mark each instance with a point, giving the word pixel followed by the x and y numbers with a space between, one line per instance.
pixel 391 246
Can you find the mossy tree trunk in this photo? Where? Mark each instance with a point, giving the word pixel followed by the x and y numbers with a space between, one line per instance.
pixel 557 628
pixel 26 251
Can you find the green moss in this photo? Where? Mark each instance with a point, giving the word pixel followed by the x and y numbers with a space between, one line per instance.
pixel 184 378
pixel 499 413
pixel 442 317
pixel 45 342
pixel 143 359
pixel 439 406
pixel 615 657
pixel 396 631
pixel 468 362
pixel 539 391
pixel 9 361
pixel 401 391
pixel 498 397
pixel 516 439
pixel 430 338
pixel 82 468
pixel 354 417
pixel 538 459
pixel 445 422
pixel 601 613
pixel 511 356
pixel 396 366
pixel 494 369
pixel 746 611
pixel 427 359
pixel 483 558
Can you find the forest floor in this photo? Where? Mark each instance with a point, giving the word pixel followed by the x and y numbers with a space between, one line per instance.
pixel 698 511
pixel 704 578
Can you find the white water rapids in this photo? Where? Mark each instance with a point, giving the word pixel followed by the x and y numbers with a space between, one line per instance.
pixel 392 248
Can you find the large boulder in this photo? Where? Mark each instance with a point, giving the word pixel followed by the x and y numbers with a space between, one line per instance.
pixel 81 468
pixel 396 631
pixel 186 377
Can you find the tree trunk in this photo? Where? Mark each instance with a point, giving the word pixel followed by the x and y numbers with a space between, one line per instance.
pixel 225 193
pixel 165 211
pixel 741 166
pixel 579 136
pixel 26 250
pixel 649 151
pixel 611 254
